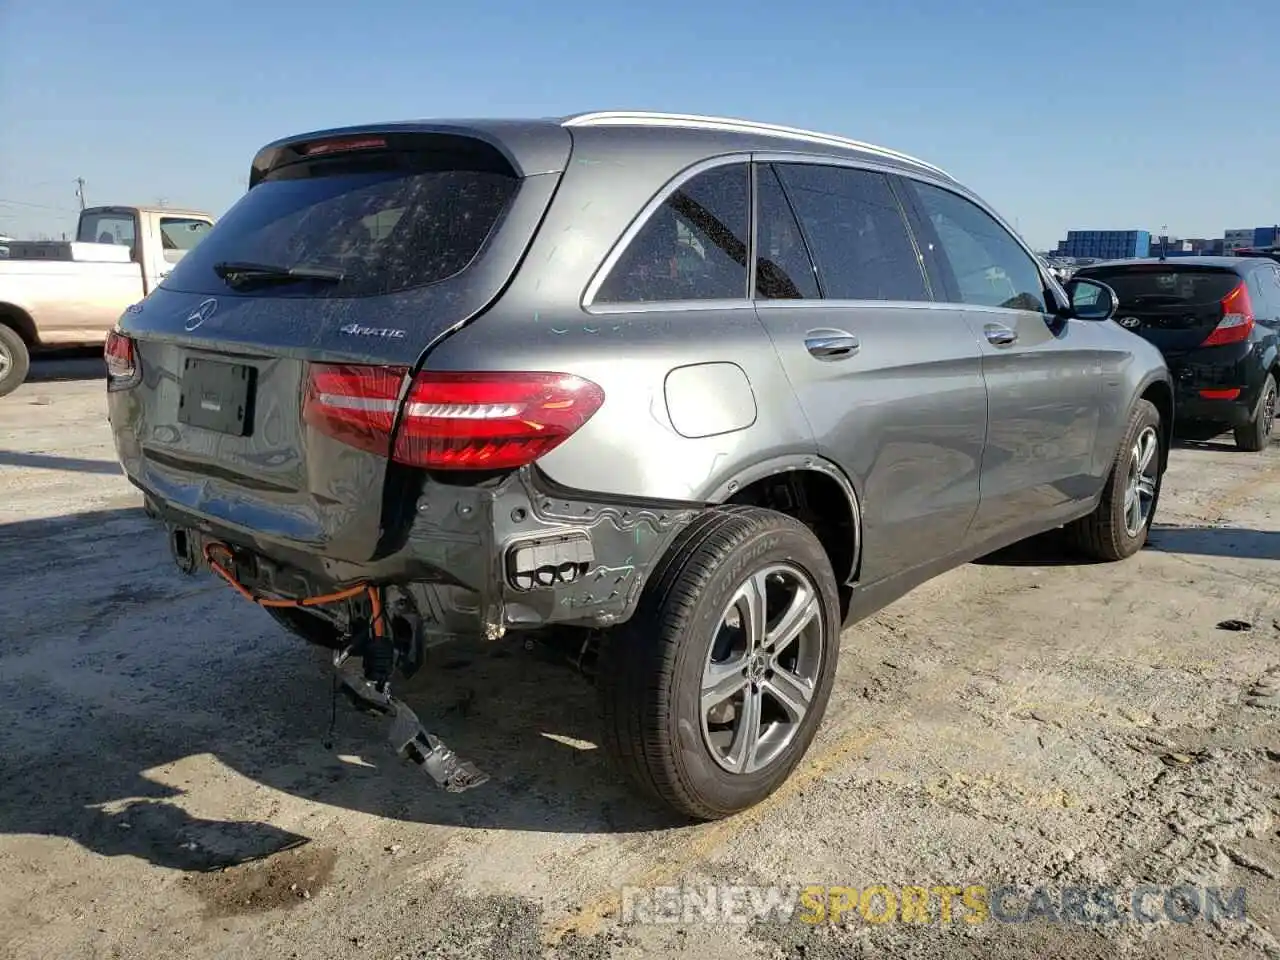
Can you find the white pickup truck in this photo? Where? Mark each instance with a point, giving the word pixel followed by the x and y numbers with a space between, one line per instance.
pixel 70 293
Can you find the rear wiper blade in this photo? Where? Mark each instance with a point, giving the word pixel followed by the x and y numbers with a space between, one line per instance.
pixel 237 272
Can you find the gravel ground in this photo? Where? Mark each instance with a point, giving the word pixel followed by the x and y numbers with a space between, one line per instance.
pixel 1027 720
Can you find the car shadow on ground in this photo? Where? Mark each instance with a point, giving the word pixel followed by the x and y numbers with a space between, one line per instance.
pixel 1209 438
pixel 1233 542
pixel 116 671
pixel 45 461
pixel 1053 550
pixel 55 366
pixel 1046 550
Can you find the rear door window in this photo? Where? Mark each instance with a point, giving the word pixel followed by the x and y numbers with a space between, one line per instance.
pixel 693 247
pixel 381 223
pixel 990 267
pixel 784 270
pixel 179 235
pixel 856 232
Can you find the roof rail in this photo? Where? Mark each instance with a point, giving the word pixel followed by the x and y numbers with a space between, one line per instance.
pixel 640 118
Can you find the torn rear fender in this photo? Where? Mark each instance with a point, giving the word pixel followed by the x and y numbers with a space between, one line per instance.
pixel 532 554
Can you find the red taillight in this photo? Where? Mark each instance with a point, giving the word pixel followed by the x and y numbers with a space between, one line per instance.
pixel 452 421
pixel 1237 319
pixel 356 405
pixel 122 361
pixel 1225 394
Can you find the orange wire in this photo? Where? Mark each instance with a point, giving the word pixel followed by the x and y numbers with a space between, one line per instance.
pixel 375 607
pixel 375 599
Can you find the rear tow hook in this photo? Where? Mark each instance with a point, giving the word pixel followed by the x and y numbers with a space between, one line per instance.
pixel 409 738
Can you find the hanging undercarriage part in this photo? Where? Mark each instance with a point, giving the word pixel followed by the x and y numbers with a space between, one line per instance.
pixel 409 738
pixel 370 635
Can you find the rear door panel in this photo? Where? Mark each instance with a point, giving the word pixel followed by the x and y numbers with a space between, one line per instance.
pixel 904 413
pixel 905 418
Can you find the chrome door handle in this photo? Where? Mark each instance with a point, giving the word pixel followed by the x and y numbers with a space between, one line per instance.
pixel 833 345
pixel 1000 335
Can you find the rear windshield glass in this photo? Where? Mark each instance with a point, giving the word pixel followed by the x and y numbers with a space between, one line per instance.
pixel 1166 286
pixel 382 224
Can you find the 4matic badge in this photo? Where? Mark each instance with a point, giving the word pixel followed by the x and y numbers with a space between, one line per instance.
pixel 359 330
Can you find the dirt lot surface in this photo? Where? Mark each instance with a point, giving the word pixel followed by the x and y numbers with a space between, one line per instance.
pixel 165 790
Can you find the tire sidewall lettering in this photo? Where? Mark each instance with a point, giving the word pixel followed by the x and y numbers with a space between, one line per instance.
pixel 757 552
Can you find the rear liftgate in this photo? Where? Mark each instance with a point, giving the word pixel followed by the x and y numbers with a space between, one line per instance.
pixel 368 638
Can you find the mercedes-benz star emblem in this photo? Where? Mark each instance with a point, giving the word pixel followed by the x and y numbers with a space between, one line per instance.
pixel 200 314
pixel 1129 323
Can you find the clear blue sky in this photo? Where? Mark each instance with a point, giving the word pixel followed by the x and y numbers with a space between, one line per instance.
pixel 1052 111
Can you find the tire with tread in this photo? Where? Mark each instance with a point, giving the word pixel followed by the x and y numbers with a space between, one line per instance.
pixel 1255 436
pixel 1102 534
pixel 650 669
pixel 15 350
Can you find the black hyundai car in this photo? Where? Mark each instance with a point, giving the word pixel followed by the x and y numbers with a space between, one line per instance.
pixel 1271 252
pixel 1217 322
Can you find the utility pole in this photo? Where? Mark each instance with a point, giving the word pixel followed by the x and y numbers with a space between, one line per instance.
pixel 80 191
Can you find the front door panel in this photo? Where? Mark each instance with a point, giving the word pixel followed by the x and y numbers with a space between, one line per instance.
pixel 1043 373
pixel 1043 402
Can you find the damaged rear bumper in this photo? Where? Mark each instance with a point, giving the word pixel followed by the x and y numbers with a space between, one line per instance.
pixel 478 560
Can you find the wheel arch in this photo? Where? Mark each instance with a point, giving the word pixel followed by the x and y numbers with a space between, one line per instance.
pixel 1158 391
pixel 21 322
pixel 821 495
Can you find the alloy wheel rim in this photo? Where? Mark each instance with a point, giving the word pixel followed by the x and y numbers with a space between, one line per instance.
pixel 1269 412
pixel 761 672
pixel 6 362
pixel 1140 490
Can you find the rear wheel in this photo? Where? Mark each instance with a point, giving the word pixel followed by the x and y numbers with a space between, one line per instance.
pixel 712 692
pixel 15 360
pixel 1256 434
pixel 1118 527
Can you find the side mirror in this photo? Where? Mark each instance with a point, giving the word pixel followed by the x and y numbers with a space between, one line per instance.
pixel 1091 299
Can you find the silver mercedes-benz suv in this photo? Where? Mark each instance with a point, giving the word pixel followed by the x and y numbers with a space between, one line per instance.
pixel 691 392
